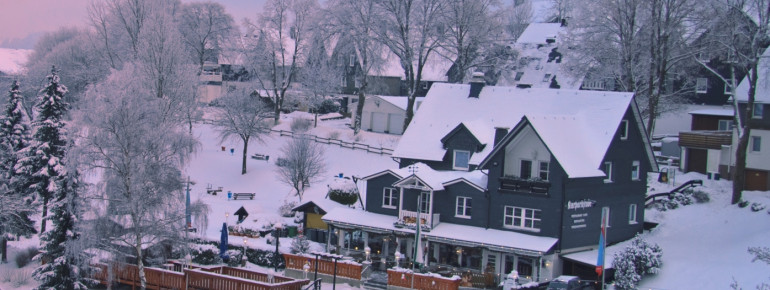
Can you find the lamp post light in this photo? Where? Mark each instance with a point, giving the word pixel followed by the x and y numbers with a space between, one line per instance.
pixel 398 257
pixel 368 252
pixel 227 217
pixel 306 268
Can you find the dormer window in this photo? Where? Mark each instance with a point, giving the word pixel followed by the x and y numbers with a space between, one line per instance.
pixel 623 130
pixel 758 111
pixel 461 160
pixel 608 171
pixel 701 85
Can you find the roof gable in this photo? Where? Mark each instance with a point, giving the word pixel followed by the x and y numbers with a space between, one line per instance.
pixel 461 127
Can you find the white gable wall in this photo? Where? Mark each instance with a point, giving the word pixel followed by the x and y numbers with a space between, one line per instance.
pixel 525 146
pixel 382 116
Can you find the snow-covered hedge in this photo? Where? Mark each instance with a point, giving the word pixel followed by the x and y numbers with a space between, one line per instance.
pixel 636 260
pixel 346 197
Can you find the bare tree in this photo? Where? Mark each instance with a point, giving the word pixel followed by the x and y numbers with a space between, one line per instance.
pixel 517 17
pixel 319 76
pixel 304 163
pixel 242 115
pixel 355 23
pixel 744 43
pixel 204 26
pixel 277 46
pixel 471 26
pixel 411 30
pixel 138 154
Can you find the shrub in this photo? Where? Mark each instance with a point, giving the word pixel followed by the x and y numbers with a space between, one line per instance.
pixel 755 206
pixel 700 196
pixel 328 106
pixel 206 254
pixel 300 244
pixel 743 203
pixel 299 125
pixel 635 261
pixel 234 257
pixel 25 256
pixel 286 207
pixel 346 197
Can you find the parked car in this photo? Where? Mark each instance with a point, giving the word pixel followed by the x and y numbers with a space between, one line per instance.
pixel 571 283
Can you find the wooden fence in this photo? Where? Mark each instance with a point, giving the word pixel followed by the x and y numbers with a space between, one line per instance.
pixel 224 278
pixel 344 269
pixel 341 143
pixel 421 281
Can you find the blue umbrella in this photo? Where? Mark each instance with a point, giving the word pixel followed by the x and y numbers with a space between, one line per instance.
pixel 223 242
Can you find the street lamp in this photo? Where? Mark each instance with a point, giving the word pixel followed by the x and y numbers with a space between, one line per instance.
pixel 227 217
pixel 277 234
pixel 398 258
pixel 306 268
pixel 243 256
pixel 368 251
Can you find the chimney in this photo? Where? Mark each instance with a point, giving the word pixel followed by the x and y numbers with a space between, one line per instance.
pixel 500 132
pixel 477 83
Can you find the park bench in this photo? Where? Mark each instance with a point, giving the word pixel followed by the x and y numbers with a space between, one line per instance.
pixel 260 157
pixel 213 191
pixel 250 195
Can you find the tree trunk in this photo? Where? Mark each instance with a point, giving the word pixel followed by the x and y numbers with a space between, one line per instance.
pixel 739 173
pixel 4 249
pixel 359 111
pixel 245 153
pixel 139 263
pixel 45 213
pixel 409 110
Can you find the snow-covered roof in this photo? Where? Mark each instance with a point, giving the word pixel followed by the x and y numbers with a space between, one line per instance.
pixel 324 204
pixel 763 82
pixel 537 33
pixel 435 69
pixel 714 112
pixel 435 179
pixel 447 232
pixel 401 102
pixel 577 126
pixel 12 60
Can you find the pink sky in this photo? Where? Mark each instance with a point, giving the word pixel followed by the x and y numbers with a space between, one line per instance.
pixel 19 18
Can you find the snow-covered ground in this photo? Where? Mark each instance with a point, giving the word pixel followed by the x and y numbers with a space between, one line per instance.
pixel 704 245
pixel 12 60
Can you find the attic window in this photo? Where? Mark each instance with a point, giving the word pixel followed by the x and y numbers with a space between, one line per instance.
pixel 701 85
pixel 461 160
pixel 547 78
pixel 519 74
pixel 352 60
pixel 623 130
pixel 728 87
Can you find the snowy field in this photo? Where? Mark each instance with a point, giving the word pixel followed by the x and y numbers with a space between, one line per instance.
pixel 704 245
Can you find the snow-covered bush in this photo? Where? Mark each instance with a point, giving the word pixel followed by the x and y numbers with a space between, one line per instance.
pixel 299 125
pixel 234 257
pixel 286 207
pixel 755 206
pixel 743 203
pixel 25 256
pixel 636 260
pixel 346 197
pixel 700 196
pixel 300 244
pixel 205 254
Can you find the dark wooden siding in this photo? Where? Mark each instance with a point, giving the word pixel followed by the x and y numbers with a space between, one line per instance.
pixel 707 122
pixel 445 202
pixel 374 191
pixel 763 123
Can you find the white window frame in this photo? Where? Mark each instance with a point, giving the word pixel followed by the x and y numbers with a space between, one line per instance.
pixel 728 87
pixel 756 144
pixel 632 214
pixel 454 160
pixel 463 207
pixel 624 127
pixel 523 218
pixel 392 201
pixel 725 125
pixel 608 171
pixel 758 111
pixel 635 170
pixel 609 214
pixel 701 85
pixel 424 202
pixel 521 173
pixel 540 170
pixel 352 60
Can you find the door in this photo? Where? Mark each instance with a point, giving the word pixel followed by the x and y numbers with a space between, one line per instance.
pixel 756 180
pixel 395 124
pixel 696 160
pixel 379 122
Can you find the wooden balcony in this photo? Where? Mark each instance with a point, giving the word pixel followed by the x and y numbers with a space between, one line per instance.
pixel 511 183
pixel 403 279
pixel 325 266
pixel 705 139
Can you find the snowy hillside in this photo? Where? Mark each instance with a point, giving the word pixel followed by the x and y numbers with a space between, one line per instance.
pixel 11 60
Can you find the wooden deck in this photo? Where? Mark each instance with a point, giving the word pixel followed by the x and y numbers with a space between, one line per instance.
pixel 221 277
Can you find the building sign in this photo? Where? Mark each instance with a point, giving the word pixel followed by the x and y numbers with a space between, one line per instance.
pixel 579 218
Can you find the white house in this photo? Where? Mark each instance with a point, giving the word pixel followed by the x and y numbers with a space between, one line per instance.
pixel 385 114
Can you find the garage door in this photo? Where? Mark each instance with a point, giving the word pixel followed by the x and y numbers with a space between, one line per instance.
pixel 379 122
pixel 395 124
pixel 756 180
pixel 696 160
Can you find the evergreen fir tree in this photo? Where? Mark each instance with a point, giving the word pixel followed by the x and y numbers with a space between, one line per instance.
pixel 61 257
pixel 40 165
pixel 15 209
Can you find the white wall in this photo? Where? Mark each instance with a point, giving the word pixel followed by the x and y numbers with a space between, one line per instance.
pixel 393 115
pixel 527 146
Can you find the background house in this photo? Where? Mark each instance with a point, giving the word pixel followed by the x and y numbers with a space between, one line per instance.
pixel 384 114
pixel 702 147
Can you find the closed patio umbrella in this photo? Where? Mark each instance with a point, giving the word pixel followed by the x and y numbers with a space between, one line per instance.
pixel 223 242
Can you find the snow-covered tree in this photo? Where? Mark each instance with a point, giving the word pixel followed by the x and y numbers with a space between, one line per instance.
pixel 471 25
pixel 15 208
pixel 300 244
pixel 64 262
pixel 242 116
pixel 40 167
pixel 636 260
pixel 138 154
pixel 304 163
pixel 204 27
